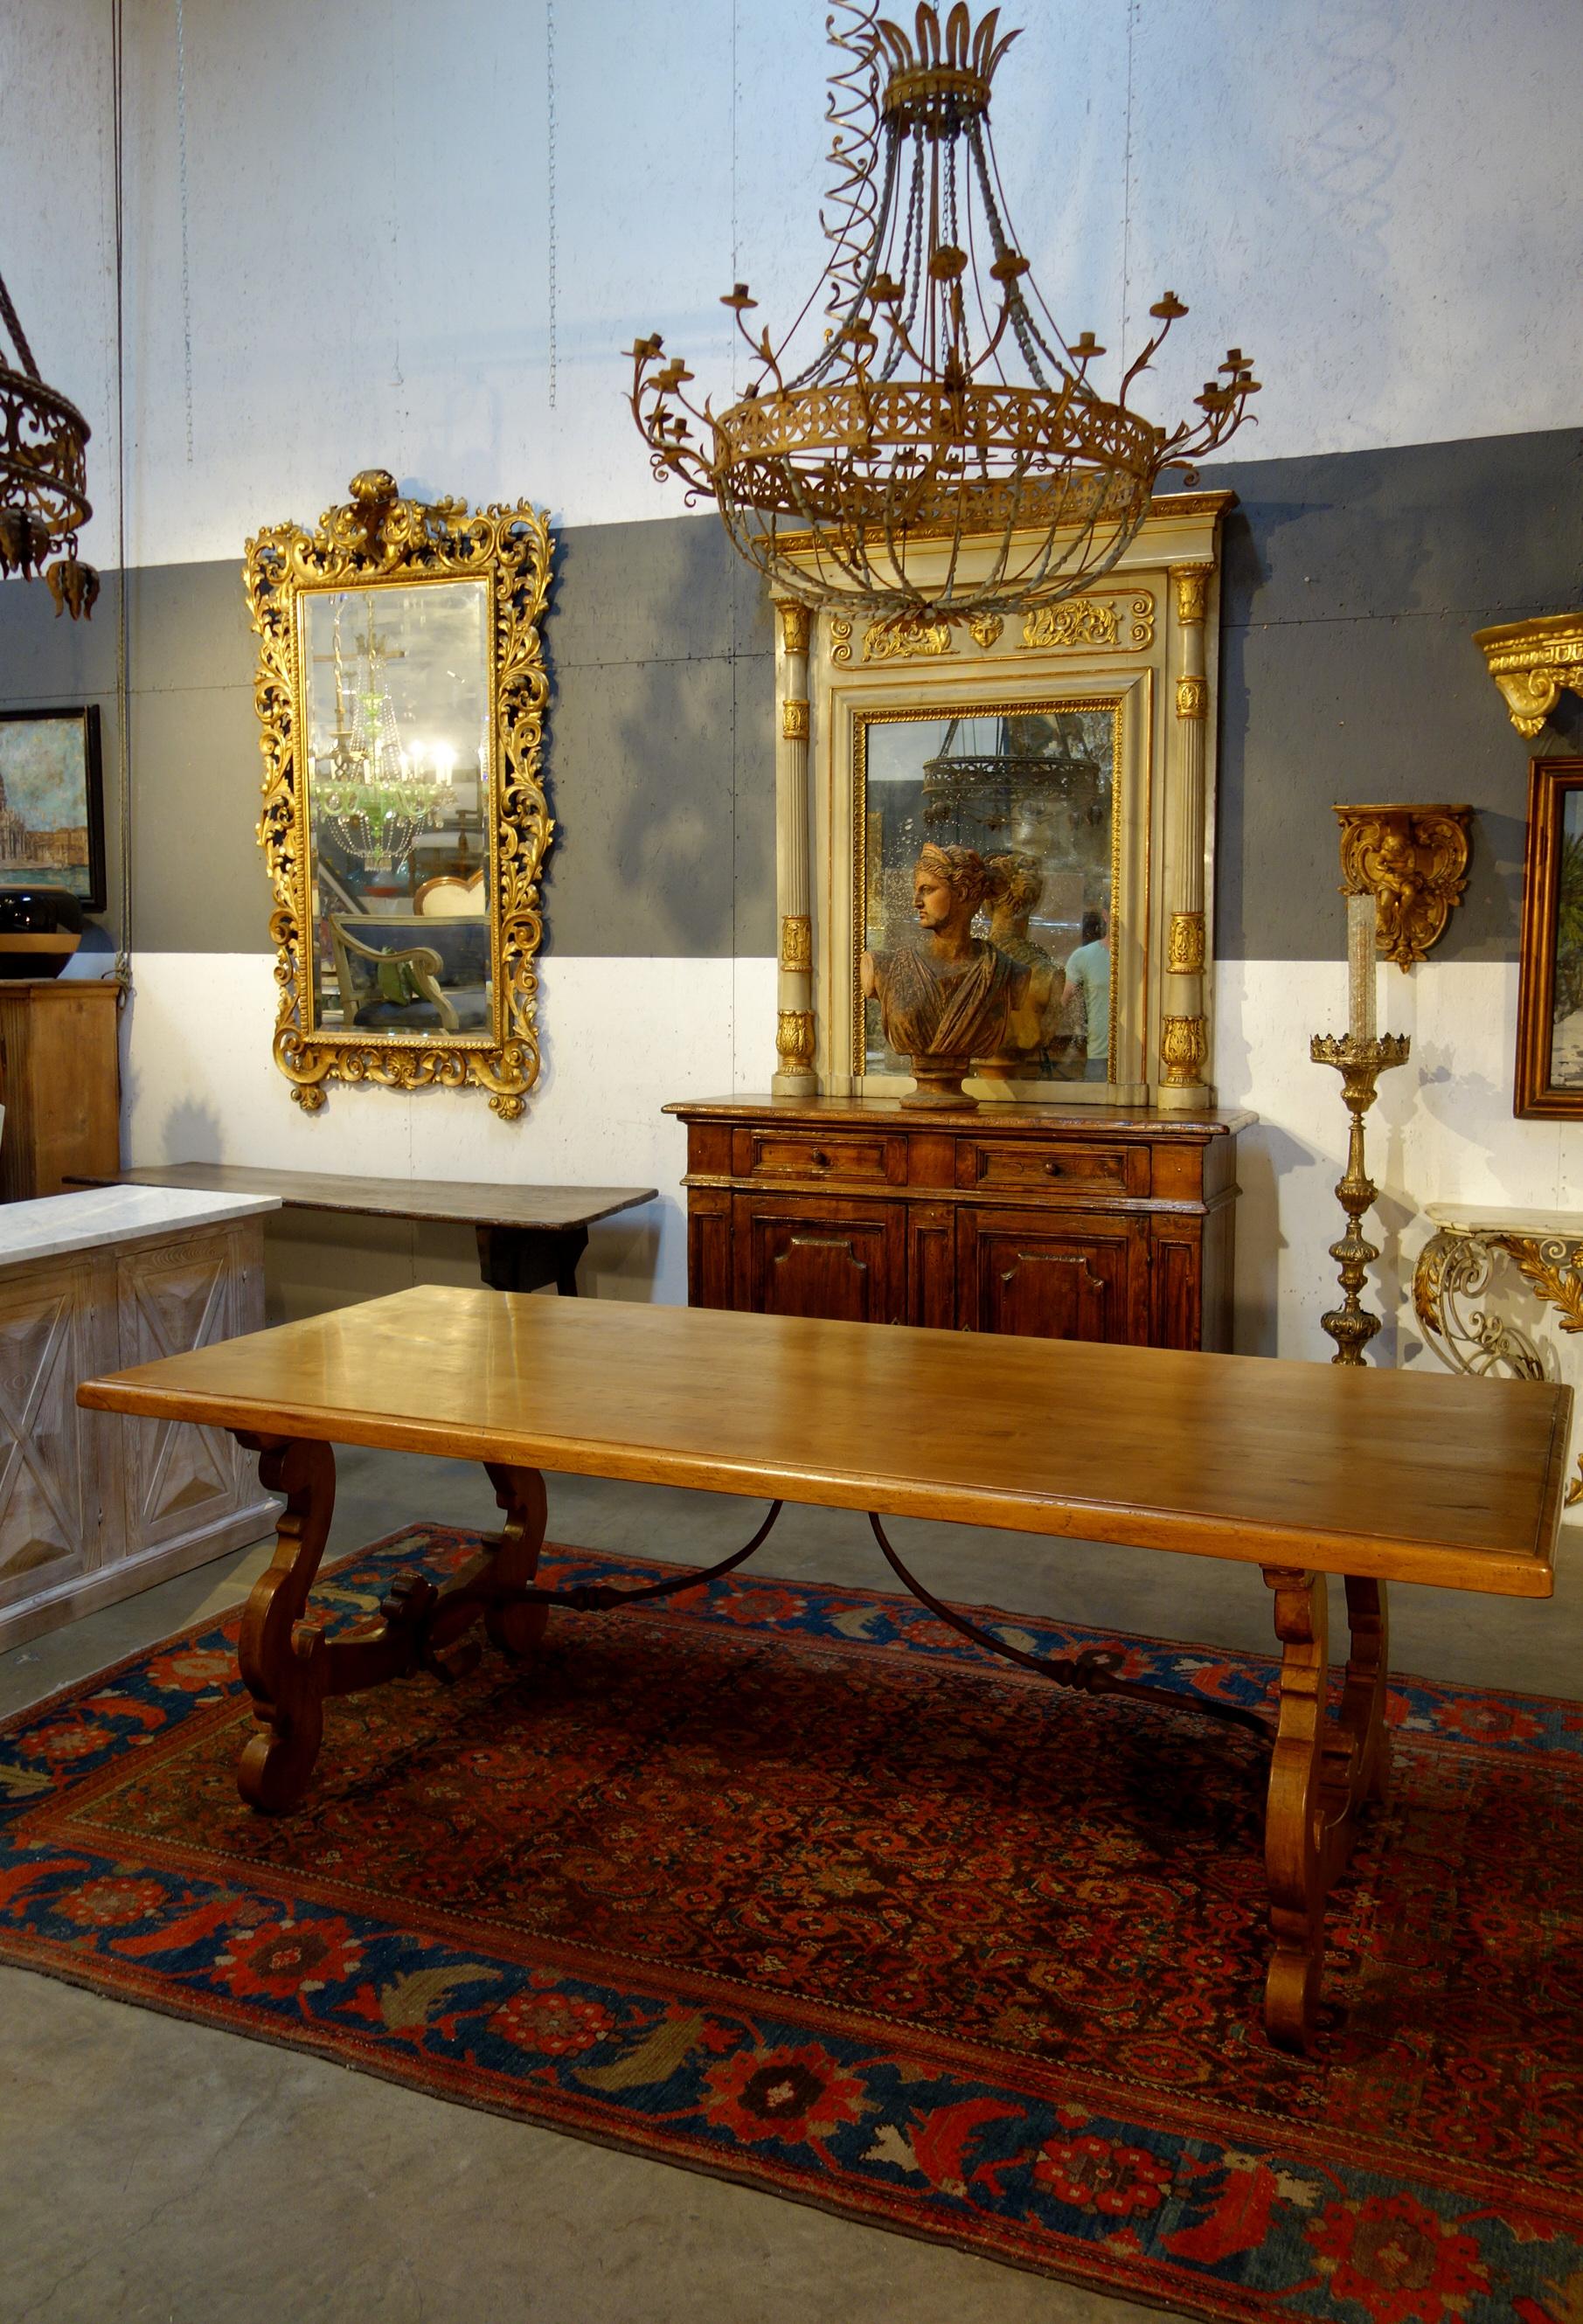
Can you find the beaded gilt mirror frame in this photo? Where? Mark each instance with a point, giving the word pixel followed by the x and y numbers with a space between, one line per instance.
pixel 402 689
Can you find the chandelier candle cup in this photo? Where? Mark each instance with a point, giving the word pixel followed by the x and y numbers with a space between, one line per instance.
pixel 937 451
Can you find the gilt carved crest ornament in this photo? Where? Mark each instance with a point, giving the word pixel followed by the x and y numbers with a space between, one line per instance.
pixel 925 395
pixel 1414 862
pixel 400 689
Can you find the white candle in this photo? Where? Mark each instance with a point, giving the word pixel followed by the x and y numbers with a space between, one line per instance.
pixel 1360 967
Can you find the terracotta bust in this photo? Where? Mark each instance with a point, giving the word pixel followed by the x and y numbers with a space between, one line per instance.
pixel 953 997
pixel 1016 884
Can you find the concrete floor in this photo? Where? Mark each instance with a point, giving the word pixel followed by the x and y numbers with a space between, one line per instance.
pixel 157 2172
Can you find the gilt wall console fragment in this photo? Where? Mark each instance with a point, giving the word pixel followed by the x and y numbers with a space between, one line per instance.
pixel 1533 663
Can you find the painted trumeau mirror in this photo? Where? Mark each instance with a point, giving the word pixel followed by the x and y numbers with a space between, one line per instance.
pixel 401 687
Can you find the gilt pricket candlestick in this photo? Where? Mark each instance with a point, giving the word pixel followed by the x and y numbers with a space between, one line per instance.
pixel 1359 1055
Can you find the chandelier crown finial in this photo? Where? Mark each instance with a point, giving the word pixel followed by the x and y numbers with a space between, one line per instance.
pixel 937 78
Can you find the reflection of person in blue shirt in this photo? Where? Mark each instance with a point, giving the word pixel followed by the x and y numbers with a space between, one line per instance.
pixel 1088 972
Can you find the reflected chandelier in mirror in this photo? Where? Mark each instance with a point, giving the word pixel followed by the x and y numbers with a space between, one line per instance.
pixel 401 689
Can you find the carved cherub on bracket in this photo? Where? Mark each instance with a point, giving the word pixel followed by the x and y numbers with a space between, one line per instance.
pixel 1414 862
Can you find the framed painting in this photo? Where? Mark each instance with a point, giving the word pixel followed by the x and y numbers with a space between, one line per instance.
pixel 1550 985
pixel 53 803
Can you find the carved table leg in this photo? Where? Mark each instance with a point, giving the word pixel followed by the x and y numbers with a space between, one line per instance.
pixel 289 1665
pixel 283 1658
pixel 1320 1773
pixel 507 1563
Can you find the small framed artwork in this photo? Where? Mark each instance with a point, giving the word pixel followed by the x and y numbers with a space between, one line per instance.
pixel 1550 983
pixel 53 803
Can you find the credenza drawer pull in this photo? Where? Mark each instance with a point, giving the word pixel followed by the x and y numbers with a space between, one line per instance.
pixel 1052 1169
pixel 821 1160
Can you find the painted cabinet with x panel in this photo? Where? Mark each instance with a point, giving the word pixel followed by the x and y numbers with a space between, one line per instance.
pixel 94 1507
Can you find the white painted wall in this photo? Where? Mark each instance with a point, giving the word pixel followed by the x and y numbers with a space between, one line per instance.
pixel 622 1038
pixel 1383 199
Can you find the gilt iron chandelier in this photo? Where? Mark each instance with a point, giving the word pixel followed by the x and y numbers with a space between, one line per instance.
pixel 944 455
pixel 43 478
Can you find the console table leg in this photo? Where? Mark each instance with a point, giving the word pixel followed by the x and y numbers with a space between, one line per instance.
pixel 284 1660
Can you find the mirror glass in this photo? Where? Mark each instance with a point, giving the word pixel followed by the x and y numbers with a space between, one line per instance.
pixel 396 694
pixel 1031 790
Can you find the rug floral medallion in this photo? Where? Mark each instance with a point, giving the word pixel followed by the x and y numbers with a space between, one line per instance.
pixel 787 1882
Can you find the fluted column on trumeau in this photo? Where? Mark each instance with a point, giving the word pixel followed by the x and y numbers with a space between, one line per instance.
pixel 1184 1034
pixel 794 1076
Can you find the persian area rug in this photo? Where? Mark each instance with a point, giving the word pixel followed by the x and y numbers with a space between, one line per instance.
pixel 789 1883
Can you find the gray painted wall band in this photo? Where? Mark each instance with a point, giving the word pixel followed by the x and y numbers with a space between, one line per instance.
pixel 1352 584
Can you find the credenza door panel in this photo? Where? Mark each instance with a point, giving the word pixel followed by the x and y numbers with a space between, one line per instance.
pixel 1052 1279
pixel 845 1260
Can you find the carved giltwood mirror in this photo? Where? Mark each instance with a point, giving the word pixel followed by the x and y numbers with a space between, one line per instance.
pixel 401 687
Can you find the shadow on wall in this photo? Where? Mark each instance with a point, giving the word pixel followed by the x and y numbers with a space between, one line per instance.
pixel 1265 1156
pixel 191 1134
pixel 623 1260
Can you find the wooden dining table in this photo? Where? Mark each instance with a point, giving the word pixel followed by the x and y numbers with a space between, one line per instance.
pixel 1300 1471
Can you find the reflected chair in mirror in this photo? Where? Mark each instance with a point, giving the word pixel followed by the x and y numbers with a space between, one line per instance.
pixel 388 984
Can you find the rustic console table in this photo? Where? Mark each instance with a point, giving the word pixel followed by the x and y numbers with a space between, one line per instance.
pixel 528 1236
pixel 1092 1223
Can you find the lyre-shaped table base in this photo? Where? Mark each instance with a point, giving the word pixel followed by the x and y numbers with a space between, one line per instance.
pixel 1322 1769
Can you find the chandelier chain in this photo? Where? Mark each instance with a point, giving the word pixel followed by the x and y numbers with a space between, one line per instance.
pixel 18 335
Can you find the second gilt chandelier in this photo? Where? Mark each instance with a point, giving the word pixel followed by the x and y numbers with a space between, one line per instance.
pixel 944 454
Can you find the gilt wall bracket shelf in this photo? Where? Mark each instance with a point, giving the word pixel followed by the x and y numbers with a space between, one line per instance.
pixel 1534 663
pixel 1413 861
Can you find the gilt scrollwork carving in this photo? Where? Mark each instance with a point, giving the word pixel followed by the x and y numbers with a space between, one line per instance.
pixel 1093 621
pixel 378 538
pixel 906 641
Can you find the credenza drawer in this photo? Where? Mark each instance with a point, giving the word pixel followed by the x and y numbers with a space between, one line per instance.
pixel 1020 1164
pixel 771 1155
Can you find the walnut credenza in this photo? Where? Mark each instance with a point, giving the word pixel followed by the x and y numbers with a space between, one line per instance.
pixel 1102 1222
pixel 91 1506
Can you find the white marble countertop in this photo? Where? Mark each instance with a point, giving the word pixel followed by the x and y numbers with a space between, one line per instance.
pixel 101 1215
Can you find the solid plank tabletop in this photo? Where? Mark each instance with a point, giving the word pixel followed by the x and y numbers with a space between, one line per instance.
pixel 1407 1475
pixel 434 1200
